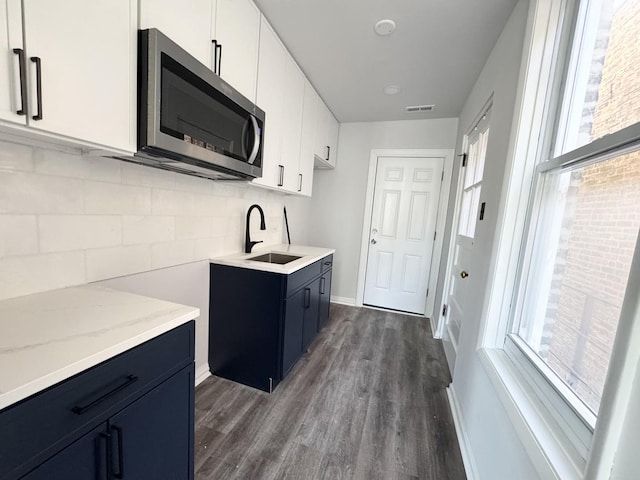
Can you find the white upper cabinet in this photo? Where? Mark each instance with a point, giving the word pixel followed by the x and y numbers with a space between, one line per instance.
pixel 12 106
pixel 326 142
pixel 292 124
pixel 237 31
pixel 307 139
pixel 81 69
pixel 189 24
pixel 270 95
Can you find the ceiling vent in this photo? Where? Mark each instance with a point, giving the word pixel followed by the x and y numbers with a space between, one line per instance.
pixel 420 108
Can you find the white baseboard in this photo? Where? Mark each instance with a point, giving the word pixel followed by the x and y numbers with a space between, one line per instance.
pixel 202 374
pixel 465 447
pixel 344 300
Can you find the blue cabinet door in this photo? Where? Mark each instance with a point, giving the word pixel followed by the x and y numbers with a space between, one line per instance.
pixel 311 311
pixel 149 436
pixel 293 328
pixel 325 297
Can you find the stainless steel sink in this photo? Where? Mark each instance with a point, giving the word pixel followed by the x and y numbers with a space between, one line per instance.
pixel 272 257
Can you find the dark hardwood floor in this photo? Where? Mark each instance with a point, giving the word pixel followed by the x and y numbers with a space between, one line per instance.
pixel 367 401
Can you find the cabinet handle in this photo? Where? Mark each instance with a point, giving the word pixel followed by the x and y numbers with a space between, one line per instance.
pixel 23 81
pixel 120 473
pixel 327 263
pixel 328 152
pixel 38 62
pixel 281 181
pixel 307 297
pixel 108 454
pixel 217 56
pixel 299 182
pixel 80 409
pixel 323 281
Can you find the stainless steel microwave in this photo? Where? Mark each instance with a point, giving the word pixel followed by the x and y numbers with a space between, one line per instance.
pixel 189 119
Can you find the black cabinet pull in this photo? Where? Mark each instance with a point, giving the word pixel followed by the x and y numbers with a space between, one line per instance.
pixel 328 152
pixel 108 454
pixel 38 62
pixel 307 297
pixel 323 281
pixel 281 180
pixel 299 182
pixel 327 263
pixel 80 409
pixel 217 56
pixel 120 473
pixel 23 81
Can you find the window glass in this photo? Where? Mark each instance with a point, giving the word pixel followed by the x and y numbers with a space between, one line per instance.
pixel 585 236
pixel 604 86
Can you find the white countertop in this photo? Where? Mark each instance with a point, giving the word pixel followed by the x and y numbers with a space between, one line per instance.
pixel 308 254
pixel 48 337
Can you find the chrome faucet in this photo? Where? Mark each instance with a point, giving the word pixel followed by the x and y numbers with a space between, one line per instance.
pixel 248 244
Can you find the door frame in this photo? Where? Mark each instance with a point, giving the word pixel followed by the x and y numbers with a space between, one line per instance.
pixel 443 201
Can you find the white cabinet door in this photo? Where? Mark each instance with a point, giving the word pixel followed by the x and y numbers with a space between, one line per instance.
pixel 189 24
pixel 238 31
pixel 10 39
pixel 87 53
pixel 332 139
pixel 307 140
pixel 270 95
pixel 292 124
pixel 322 129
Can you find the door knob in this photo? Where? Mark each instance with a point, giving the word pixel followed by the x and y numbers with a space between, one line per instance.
pixel 464 274
pixel 373 241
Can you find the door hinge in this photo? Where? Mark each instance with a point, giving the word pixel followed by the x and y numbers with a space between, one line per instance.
pixel 464 159
pixel 434 235
pixel 442 176
pixel 427 292
pixel 444 310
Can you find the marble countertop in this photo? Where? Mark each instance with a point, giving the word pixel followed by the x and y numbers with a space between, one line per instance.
pixel 308 256
pixel 48 337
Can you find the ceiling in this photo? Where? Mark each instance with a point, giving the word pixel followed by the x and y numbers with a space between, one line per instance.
pixel 434 55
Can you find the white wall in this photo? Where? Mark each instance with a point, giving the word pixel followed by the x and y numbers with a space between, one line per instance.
pixel 67 220
pixel 493 442
pixel 334 216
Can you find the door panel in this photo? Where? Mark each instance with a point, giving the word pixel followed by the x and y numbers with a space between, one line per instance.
pixel 10 38
pixel 403 223
pixel 293 325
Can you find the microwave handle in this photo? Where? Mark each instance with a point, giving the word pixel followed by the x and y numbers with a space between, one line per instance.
pixel 256 140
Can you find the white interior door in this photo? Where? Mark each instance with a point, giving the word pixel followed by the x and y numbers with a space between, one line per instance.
pixel 403 225
pixel 470 184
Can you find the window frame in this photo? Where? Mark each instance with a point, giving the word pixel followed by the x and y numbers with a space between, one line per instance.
pixel 539 111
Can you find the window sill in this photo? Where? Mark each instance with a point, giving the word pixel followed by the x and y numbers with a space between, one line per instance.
pixel 544 445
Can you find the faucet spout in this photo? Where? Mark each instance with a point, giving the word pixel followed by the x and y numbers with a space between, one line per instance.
pixel 248 244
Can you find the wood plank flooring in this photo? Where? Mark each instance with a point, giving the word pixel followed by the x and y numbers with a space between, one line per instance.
pixel 367 401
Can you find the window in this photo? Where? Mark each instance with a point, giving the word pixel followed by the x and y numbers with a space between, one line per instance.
pixel 583 216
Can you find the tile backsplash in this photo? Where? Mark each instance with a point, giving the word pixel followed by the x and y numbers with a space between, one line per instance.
pixel 68 219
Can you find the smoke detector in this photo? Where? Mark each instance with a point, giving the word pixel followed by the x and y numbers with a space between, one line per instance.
pixel 419 108
pixel 385 27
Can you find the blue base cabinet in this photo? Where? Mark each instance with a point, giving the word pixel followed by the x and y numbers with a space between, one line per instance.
pixel 260 323
pixel 131 417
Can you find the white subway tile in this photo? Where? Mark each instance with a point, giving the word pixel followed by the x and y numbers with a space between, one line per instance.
pixel 171 202
pixel 193 227
pixel 38 273
pixel 110 198
pixel 219 226
pixel 210 205
pixel 205 248
pixel 77 232
pixel 18 235
pixel 193 184
pixel 31 193
pixel 15 157
pixel 117 261
pixel 50 162
pixel 171 253
pixel 141 175
pixel 147 229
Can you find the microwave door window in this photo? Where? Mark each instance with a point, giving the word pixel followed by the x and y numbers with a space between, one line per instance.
pixel 200 117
